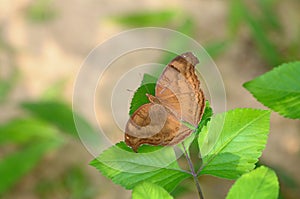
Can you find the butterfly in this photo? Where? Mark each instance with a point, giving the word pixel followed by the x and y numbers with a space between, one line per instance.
pixel 178 101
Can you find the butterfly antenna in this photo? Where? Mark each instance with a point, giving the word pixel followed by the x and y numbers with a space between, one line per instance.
pixel 130 90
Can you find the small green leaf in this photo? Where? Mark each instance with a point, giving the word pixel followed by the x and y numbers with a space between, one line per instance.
pixel 260 183
pixel 208 112
pixel 147 190
pixel 232 142
pixel 17 164
pixel 139 98
pixel 279 89
pixel 124 167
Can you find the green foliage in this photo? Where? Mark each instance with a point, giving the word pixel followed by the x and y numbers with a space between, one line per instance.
pixel 232 142
pixel 279 89
pixel 260 183
pixel 73 183
pixel 32 138
pixel 41 11
pixel 147 190
pixel 239 13
pixel 56 113
pixel 265 14
pixel 229 153
pixel 15 165
pixel 148 18
pixel 24 130
pixel 124 167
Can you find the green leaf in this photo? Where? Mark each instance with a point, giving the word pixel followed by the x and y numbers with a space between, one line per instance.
pixel 208 112
pixel 139 98
pixel 57 113
pixel 15 165
pixel 124 167
pixel 260 183
pixel 147 190
pixel 232 142
pixel 24 130
pixel 279 89
pixel 148 18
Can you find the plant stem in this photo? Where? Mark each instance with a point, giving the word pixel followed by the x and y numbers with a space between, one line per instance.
pixel 193 172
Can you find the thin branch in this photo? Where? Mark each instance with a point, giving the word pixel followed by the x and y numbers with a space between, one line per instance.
pixel 201 166
pixel 193 172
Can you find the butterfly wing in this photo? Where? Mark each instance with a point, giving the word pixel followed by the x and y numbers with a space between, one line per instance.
pixel 178 89
pixel 151 124
pixel 178 98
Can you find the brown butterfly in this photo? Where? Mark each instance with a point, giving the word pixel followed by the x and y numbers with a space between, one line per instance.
pixel 178 99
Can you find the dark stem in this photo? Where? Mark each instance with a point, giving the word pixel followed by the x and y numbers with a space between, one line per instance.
pixel 193 172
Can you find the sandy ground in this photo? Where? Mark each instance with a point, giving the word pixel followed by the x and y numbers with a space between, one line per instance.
pixel 54 50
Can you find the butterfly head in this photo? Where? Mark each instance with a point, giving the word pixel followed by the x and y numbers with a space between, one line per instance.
pixel 152 99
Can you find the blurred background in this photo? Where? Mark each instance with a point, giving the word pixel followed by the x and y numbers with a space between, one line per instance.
pixel 44 42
